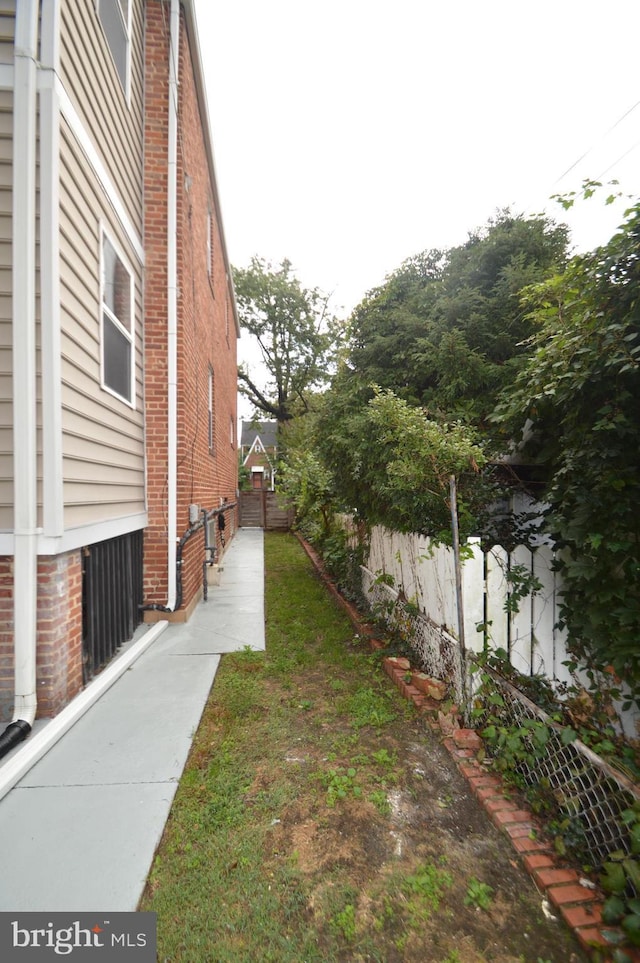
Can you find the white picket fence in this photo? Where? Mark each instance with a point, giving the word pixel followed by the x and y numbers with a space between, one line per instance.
pixel 425 575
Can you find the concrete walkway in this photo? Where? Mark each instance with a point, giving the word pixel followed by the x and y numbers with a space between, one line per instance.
pixel 80 829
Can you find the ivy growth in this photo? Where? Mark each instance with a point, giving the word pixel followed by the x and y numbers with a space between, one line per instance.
pixel 519 744
pixel 620 879
pixel 579 397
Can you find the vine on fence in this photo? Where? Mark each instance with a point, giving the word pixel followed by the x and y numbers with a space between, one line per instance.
pixel 620 878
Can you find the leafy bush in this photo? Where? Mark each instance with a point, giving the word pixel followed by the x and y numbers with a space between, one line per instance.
pixel 577 400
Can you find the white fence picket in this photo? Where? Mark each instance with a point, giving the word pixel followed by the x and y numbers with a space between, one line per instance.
pixel 520 617
pixel 473 596
pixel 496 594
pixel 544 615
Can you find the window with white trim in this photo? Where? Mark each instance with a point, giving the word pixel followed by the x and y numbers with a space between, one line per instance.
pixel 114 16
pixel 117 324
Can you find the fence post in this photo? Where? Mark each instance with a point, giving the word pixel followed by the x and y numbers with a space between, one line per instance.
pixel 456 561
pixel 459 601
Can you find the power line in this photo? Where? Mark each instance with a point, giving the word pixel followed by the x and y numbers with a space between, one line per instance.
pixel 599 141
pixel 622 156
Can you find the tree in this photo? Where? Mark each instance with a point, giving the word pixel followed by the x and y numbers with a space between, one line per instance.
pixel 296 335
pixel 388 323
pixel 305 481
pixel 446 330
pixel 579 398
pixel 391 464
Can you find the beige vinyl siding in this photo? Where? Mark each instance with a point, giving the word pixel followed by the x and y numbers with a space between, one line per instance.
pixel 7 25
pixel 6 392
pixel 90 79
pixel 103 438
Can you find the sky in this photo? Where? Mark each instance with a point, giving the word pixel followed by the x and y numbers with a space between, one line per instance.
pixel 350 135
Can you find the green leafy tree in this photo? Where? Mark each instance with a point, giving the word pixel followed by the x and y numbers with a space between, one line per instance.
pixel 304 480
pixel 388 323
pixel 446 330
pixel 296 335
pixel 578 401
pixel 392 464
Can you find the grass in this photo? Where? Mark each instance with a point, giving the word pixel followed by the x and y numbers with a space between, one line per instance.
pixel 281 843
pixel 212 863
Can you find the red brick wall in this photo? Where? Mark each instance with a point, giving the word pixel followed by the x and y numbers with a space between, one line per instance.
pixel 59 647
pixel 155 298
pixel 6 639
pixel 206 329
pixel 59 633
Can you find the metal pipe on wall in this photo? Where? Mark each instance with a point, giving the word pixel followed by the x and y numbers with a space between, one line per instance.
pixel 25 499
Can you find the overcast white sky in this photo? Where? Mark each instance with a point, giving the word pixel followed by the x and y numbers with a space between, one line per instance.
pixel 352 134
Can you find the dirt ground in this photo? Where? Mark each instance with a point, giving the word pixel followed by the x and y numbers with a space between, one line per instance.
pixel 435 821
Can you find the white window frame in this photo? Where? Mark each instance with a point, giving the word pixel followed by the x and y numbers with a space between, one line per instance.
pixel 126 28
pixel 106 312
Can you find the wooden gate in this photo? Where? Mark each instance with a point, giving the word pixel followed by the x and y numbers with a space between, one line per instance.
pixel 252 509
pixel 260 509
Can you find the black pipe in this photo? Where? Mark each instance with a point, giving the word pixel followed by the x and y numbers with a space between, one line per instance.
pixel 154 607
pixel 210 551
pixel 14 733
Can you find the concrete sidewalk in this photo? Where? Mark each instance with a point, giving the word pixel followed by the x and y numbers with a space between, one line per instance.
pixel 80 829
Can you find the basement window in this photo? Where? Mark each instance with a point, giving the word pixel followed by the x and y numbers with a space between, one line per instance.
pixel 115 17
pixel 117 319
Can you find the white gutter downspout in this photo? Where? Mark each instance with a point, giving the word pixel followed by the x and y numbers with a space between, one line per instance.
pixel 172 302
pixel 52 520
pixel 24 360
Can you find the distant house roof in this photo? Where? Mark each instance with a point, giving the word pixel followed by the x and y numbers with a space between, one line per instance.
pixel 267 430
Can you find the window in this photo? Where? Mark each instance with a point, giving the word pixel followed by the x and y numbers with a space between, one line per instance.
pixel 210 422
pixel 114 17
pixel 117 318
pixel 209 244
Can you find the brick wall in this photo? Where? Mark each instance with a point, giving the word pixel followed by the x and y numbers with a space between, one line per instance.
pixel 59 652
pixel 6 639
pixel 206 329
pixel 155 298
pixel 59 633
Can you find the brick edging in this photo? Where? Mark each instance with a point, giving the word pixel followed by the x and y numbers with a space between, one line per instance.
pixel 579 906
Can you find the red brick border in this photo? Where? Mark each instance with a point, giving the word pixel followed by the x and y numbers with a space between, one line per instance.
pixel 580 906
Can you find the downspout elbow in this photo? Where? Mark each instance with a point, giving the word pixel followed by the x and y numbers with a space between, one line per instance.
pixel 13 735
